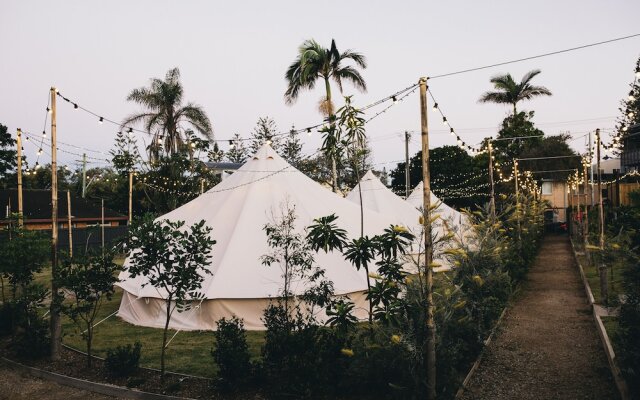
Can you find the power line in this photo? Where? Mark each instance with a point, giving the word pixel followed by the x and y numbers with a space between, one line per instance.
pixel 534 57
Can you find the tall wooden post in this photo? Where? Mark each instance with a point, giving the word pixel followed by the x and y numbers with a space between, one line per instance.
pixel 102 224
pixel 492 199
pixel 201 185
pixel 55 301
pixel 84 174
pixel 600 207
pixel 585 218
pixel 130 196
pixel 19 172
pixel 604 284
pixel 515 178
pixel 69 224
pixel 407 181
pixel 430 357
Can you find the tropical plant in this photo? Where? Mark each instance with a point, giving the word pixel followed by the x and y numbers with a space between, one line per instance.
pixel 172 258
pixel 315 62
pixel 165 115
pixel 511 92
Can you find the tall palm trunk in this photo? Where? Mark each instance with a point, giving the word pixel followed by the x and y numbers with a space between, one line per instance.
pixel 334 172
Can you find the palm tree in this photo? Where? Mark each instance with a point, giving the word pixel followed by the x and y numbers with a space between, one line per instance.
pixel 510 92
pixel 165 114
pixel 315 62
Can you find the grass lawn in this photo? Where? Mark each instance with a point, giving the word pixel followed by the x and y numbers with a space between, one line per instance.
pixel 189 352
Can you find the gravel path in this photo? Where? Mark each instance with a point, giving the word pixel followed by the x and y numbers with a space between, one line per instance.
pixel 547 347
pixel 17 386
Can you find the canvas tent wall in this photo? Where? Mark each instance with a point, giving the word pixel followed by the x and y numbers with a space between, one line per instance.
pixel 237 209
pixel 377 197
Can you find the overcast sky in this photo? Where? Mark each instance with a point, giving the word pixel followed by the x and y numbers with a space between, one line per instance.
pixel 233 55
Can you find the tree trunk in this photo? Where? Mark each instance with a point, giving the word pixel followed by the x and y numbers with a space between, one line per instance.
pixel 164 339
pixel 89 343
pixel 366 269
pixel 334 171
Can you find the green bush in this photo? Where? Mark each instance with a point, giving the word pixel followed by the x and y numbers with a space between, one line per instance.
pixel 123 360
pixel 7 312
pixel 628 334
pixel 33 340
pixel 231 352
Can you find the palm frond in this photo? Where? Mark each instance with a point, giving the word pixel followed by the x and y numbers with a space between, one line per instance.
pixel 352 75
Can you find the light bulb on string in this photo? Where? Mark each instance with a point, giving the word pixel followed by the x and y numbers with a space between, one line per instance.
pixel 48 110
pixel 44 133
pixel 444 121
pixel 435 106
pixel 101 120
pixel 309 131
pixel 394 99
pixel 75 106
pixel 453 133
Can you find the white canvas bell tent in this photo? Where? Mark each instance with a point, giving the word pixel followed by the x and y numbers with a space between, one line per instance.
pixel 459 221
pixel 237 209
pixel 377 197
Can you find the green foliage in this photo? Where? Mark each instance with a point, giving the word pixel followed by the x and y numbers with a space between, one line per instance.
pixel 125 155
pixel 231 353
pixel 8 155
pixel 238 153
pixel 452 170
pixel 291 149
pixel 264 131
pixel 90 280
pixel 516 125
pixel 123 361
pixel 173 259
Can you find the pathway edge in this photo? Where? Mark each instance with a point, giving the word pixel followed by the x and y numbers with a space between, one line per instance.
pixel 621 384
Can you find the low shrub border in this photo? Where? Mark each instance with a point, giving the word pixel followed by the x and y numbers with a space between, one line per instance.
pixel 621 384
pixel 95 387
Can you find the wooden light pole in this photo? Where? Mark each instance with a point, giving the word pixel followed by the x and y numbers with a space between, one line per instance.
pixel 515 178
pixel 407 181
pixel 130 196
pixel 69 224
pixel 585 220
pixel 55 326
pixel 492 200
pixel 602 268
pixel 19 148
pixel 430 356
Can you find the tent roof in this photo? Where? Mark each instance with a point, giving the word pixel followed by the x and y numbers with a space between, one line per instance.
pixel 415 199
pixel 239 207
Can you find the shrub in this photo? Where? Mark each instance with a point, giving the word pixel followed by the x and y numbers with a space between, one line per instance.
pixel 123 360
pixel 33 341
pixel 231 352
pixel 7 312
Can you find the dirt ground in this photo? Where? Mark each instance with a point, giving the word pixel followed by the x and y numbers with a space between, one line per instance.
pixel 547 347
pixel 16 386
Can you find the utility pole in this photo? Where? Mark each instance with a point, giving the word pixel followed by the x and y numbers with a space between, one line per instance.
pixel 201 185
pixel 492 200
pixel 56 328
pixel 19 148
pixel 84 174
pixel 430 359
pixel 407 182
pixel 69 224
pixel 130 196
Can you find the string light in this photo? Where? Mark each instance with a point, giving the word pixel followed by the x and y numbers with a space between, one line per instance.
pixel 101 120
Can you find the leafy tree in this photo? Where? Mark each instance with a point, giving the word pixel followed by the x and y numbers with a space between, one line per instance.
pixel 511 92
pixel 293 254
pixel 453 174
pixel 165 115
pixel 39 177
pixel 173 259
pixel 8 155
pixel 264 131
pixel 291 149
pixel 517 125
pixel 630 106
pixel 125 155
pixel 315 62
pixel 237 152
pixel 216 154
pixel 89 279
pixel 551 146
